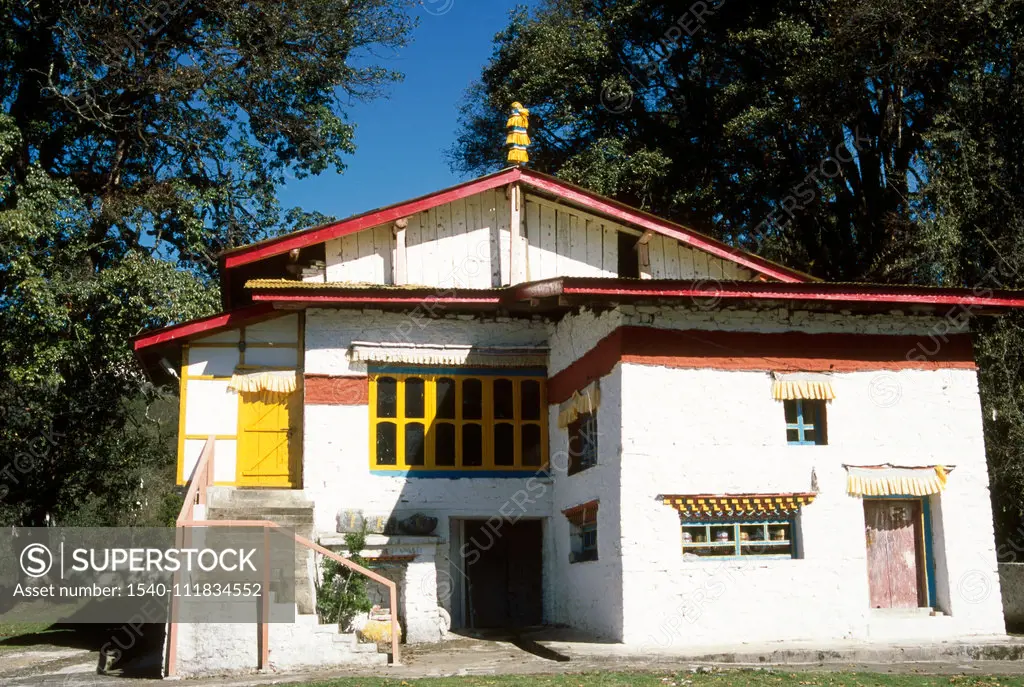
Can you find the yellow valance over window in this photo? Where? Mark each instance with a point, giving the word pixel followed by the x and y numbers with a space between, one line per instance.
pixel 448 354
pixel 249 380
pixel 892 480
pixel 584 401
pixel 729 505
pixel 802 385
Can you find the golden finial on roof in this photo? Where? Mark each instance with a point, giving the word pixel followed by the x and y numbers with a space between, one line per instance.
pixel 517 138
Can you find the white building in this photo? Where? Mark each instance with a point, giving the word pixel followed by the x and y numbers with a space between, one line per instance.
pixel 619 424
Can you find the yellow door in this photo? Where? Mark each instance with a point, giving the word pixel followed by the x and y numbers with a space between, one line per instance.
pixel 269 440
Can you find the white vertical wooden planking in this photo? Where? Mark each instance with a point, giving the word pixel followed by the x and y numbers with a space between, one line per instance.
pixel 469 243
pixel 476 268
pixel 715 270
pixel 610 260
pixel 384 246
pixel 578 245
pixel 428 235
pixel 533 237
pixel 349 255
pixel 595 247
pixel 548 256
pixel 447 252
pixel 656 245
pixel 414 251
pixel 400 259
pixel 562 258
pixel 503 218
pixel 332 256
pixel 492 217
pixel 671 259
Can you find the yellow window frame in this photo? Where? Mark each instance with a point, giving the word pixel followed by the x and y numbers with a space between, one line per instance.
pixel 430 421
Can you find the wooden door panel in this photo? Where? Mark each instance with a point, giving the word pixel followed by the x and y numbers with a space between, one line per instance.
pixel 268 440
pixel 893 550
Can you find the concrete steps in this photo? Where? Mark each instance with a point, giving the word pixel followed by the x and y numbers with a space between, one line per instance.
pixel 306 643
pixel 288 508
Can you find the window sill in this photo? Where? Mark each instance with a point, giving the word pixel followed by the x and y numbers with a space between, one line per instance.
pixel 573 559
pixel 462 474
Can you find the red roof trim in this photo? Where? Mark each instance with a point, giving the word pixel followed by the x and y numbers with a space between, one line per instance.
pixel 646 220
pixel 371 297
pixel 206 325
pixel 265 249
pixel 816 291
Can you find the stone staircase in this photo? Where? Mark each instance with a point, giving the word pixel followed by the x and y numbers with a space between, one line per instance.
pixel 306 643
pixel 288 508
pixel 205 649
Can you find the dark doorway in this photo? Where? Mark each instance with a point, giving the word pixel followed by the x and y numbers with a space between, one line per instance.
pixel 503 574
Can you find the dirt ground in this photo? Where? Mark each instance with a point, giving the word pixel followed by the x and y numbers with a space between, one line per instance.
pixel 57 664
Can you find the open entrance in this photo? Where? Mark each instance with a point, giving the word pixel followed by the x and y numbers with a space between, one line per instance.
pixel 503 585
pixel 897 569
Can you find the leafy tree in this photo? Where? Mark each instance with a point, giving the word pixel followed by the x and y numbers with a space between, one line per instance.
pixel 793 128
pixel 856 139
pixel 137 140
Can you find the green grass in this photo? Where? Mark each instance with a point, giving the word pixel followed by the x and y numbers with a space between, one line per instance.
pixel 9 631
pixel 733 678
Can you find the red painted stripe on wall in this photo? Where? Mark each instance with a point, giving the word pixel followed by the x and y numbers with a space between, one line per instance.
pixel 337 391
pixel 781 352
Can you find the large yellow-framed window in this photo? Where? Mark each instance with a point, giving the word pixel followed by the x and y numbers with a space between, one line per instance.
pixel 452 420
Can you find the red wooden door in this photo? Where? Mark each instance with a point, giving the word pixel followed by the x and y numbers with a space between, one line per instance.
pixel 892 530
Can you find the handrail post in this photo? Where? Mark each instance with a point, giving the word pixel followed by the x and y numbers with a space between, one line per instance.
pixel 393 589
pixel 264 628
pixel 202 477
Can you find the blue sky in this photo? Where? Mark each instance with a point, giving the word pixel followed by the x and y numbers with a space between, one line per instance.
pixel 401 140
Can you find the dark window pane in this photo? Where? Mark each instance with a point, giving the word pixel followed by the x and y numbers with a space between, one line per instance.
pixel 414 397
pixel 387 444
pixel 504 404
pixel 810 435
pixel 414 454
pixel 629 266
pixel 810 412
pixel 472 446
pixel 504 444
pixel 387 397
pixel 531 446
pixel 530 402
pixel 790 407
pixel 444 446
pixel 588 434
pixel 792 435
pixel 446 398
pixel 472 399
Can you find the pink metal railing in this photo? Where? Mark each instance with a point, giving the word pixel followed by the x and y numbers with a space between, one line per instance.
pixel 202 479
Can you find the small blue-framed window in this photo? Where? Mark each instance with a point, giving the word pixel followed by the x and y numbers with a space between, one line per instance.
pixel 740 538
pixel 805 422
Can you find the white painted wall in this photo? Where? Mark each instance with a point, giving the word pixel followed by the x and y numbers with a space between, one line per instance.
pixel 588 595
pixel 336 471
pixel 720 432
pixel 704 431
